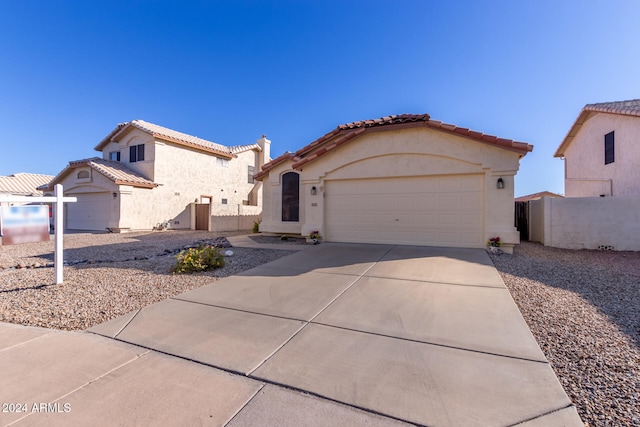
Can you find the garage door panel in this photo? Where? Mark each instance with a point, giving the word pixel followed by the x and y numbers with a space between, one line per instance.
pixel 92 211
pixel 430 210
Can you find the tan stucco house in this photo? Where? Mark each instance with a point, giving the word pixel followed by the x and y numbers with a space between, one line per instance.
pixel 601 151
pixel 149 175
pixel 23 184
pixel 403 179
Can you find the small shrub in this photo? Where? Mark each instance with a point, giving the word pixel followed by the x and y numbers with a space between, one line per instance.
pixel 256 226
pixel 202 258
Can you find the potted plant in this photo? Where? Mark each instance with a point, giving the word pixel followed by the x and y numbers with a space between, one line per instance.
pixel 314 237
pixel 494 243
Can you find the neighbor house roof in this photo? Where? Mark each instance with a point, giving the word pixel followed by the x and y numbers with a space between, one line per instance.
pixel 237 149
pixel 166 134
pixel 23 184
pixel 347 132
pixel 540 195
pixel 623 108
pixel 114 171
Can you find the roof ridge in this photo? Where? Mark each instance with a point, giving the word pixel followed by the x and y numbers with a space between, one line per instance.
pixel 386 120
pixel 182 136
pixel 629 107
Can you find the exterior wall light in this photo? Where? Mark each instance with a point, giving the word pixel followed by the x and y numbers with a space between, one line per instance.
pixel 500 184
pixel 115 195
pixel 314 191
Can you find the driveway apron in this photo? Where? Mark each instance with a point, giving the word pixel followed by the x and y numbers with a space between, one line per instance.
pixel 425 335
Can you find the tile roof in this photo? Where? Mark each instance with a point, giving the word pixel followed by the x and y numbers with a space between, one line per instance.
pixel 627 108
pixel 536 196
pixel 624 108
pixel 237 149
pixel 114 171
pixel 167 134
pixel 23 184
pixel 346 132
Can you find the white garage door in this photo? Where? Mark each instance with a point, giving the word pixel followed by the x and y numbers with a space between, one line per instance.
pixel 435 211
pixel 92 211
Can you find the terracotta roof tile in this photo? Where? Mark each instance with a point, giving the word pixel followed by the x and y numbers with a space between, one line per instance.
pixel 627 108
pixel 114 171
pixel 537 196
pixel 387 120
pixel 349 131
pixel 23 184
pixel 237 149
pixel 167 134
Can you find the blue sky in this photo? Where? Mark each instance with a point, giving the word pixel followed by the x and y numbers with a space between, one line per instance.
pixel 294 70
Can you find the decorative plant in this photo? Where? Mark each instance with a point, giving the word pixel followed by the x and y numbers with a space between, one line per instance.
pixel 202 258
pixel 256 226
pixel 314 235
pixel 494 242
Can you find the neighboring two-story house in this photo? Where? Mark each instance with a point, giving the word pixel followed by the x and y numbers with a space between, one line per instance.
pixel 602 151
pixel 149 175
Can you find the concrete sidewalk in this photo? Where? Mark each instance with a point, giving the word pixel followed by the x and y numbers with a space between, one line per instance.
pixel 374 334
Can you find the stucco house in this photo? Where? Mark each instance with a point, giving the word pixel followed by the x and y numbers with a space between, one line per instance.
pixel 403 179
pixel 149 175
pixel 601 151
pixel 23 184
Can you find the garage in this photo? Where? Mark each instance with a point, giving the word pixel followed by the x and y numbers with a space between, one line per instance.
pixel 436 210
pixel 92 211
pixel 402 180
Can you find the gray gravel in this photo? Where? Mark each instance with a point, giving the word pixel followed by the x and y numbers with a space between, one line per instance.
pixel 110 275
pixel 583 307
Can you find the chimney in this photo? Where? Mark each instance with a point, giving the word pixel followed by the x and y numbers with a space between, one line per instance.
pixel 265 155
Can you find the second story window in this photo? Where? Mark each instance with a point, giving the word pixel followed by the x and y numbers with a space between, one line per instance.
pixel 609 148
pixel 136 153
pixel 250 173
pixel 222 162
pixel 115 156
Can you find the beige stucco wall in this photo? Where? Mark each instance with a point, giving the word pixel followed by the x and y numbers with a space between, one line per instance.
pixel 587 222
pixel 586 175
pixel 184 176
pixel 96 183
pixel 407 152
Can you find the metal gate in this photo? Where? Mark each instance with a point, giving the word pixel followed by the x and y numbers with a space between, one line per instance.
pixel 522 219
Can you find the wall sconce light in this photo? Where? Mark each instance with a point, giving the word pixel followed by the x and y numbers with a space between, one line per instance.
pixel 500 184
pixel 313 191
pixel 115 195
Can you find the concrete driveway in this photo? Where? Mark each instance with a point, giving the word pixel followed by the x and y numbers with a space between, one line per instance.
pixel 335 334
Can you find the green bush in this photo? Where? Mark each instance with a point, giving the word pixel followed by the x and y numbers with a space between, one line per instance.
pixel 202 258
pixel 256 226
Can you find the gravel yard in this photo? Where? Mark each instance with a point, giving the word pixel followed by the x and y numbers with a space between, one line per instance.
pixel 110 275
pixel 583 307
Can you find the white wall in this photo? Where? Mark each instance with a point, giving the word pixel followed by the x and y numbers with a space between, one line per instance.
pixel 586 223
pixel 586 175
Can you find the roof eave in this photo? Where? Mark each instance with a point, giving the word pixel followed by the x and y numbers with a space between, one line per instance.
pixel 135 184
pixel 219 153
pixel 584 115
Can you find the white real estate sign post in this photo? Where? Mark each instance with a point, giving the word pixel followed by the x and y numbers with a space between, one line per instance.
pixel 58 201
